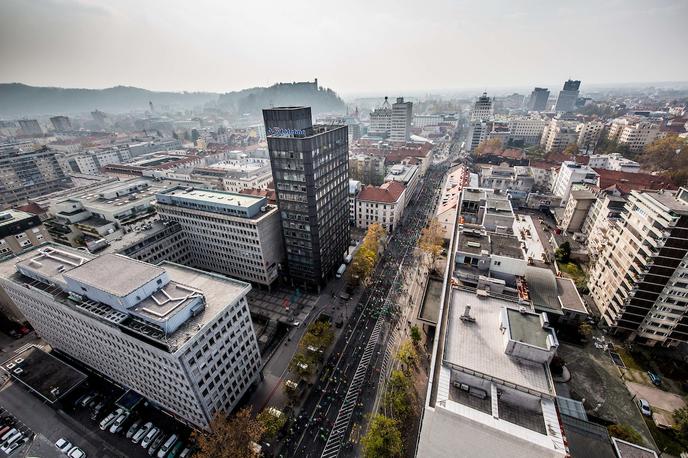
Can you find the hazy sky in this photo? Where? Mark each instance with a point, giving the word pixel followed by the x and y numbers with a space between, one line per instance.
pixel 351 46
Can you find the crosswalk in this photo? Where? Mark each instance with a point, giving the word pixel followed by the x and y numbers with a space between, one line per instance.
pixel 341 424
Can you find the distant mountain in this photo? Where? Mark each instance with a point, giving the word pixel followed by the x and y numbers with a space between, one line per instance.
pixel 18 100
pixel 22 100
pixel 321 100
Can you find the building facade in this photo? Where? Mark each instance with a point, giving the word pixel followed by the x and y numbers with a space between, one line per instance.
pixel 238 235
pixel 402 116
pixel 569 174
pixel 180 337
pixel 568 96
pixel 640 281
pixel 538 99
pixel 383 205
pixel 310 168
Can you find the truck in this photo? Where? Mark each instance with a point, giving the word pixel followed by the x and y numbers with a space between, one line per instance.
pixel 340 271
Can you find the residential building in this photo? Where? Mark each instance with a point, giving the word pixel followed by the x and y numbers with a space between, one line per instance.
pixel 635 132
pixel 589 134
pixel 477 133
pixel 310 168
pixel 447 209
pixel 576 210
pixel 482 109
pixel 381 121
pixel 488 208
pixel 30 127
pixel 558 134
pixel 427 120
pixel 61 123
pixel 568 96
pixel 604 213
pixel 538 99
pixel 180 337
pixel 25 174
pixel 354 188
pixel 526 131
pixel 516 180
pixel 569 174
pixel 367 168
pixel 614 161
pixel 234 234
pixel 640 281
pixel 402 115
pixel 91 162
pixel 408 175
pixel 19 231
pixel 383 205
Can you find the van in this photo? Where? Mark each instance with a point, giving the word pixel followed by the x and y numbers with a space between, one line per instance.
pixel 340 271
pixel 167 446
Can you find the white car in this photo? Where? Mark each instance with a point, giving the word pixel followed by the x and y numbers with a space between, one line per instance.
pixel 117 424
pixel 76 452
pixel 63 444
pixel 645 407
pixel 167 446
pixel 141 433
pixel 150 437
pixel 107 421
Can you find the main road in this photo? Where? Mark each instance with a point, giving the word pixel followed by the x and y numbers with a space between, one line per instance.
pixel 346 388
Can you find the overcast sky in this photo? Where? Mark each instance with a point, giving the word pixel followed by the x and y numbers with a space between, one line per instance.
pixel 351 46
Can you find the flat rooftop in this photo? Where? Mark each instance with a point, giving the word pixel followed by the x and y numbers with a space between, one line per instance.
pixel 527 328
pixel 91 198
pixel 233 204
pixel 51 261
pixel 506 245
pixel 11 216
pixel 669 200
pixel 115 274
pixel 44 374
pixel 480 346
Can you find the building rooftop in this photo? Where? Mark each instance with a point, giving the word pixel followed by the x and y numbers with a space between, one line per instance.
pixel 670 200
pixel 231 203
pixel 388 192
pixel 480 346
pixel 10 216
pixel 115 274
pixel 629 181
pixel 527 328
pixel 628 450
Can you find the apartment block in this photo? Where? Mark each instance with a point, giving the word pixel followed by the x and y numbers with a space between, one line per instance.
pixel 367 168
pixel 634 132
pixel 640 281
pixel 233 234
pixel 589 134
pixel 19 231
pixel 569 174
pixel 180 337
pixel 558 134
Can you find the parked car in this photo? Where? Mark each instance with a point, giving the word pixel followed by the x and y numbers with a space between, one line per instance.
pixel 63 444
pixel 88 398
pixel 117 425
pixel 97 409
pixel 16 445
pixel 654 378
pixel 175 450
pixel 107 421
pixel 9 433
pixel 156 444
pixel 11 440
pixel 167 446
pixel 645 407
pixel 132 429
pixel 150 437
pixel 141 433
pixel 76 452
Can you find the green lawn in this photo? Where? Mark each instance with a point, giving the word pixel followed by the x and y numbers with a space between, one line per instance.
pixel 573 271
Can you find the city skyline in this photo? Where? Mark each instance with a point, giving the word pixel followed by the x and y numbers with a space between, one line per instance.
pixel 216 47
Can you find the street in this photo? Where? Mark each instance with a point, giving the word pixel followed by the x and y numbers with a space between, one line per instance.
pixel 347 387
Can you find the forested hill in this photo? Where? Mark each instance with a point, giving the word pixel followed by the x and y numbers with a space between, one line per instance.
pixel 322 100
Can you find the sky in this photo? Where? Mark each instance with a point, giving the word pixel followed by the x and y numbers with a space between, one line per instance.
pixel 354 47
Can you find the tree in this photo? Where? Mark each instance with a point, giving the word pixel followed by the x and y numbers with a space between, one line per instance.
pixel 681 419
pixel 303 364
pixel 366 256
pixel 273 421
pixel 571 150
pixel 489 146
pixel 399 396
pixel 431 240
pixel 585 329
pixel 626 433
pixel 230 437
pixel 407 355
pixel 668 155
pixel 383 439
pixel 415 334
pixel 563 253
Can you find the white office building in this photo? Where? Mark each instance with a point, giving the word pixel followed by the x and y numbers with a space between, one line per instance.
pixel 589 134
pixel 558 134
pixel 234 234
pixel 402 115
pixel 483 109
pixel 180 337
pixel 569 174
pixel 614 161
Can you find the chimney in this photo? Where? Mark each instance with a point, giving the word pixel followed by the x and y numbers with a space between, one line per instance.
pixel 466 317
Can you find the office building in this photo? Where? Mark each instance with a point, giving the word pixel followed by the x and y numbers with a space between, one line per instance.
pixel 566 102
pixel 30 127
pixel 233 175
pixel 569 174
pixel 482 109
pixel 526 131
pixel 355 187
pixel 19 231
pixel 238 235
pixel 538 99
pixel 406 174
pixel 310 169
pixel 61 123
pixel 614 161
pixel 402 115
pixel 180 337
pixel 25 174
pixel 477 133
pixel 383 205
pixel 92 162
pixel 639 283
pixel 381 121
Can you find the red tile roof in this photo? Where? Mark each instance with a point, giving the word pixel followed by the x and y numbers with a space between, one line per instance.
pixel 626 182
pixel 268 193
pixel 32 207
pixel 389 192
